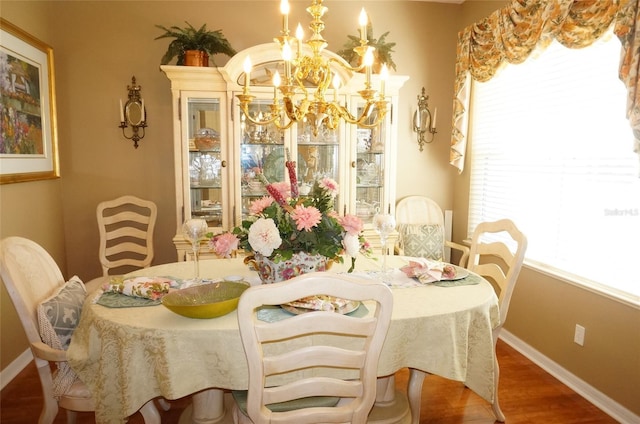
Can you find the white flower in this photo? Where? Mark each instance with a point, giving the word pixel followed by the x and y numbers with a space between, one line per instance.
pixel 351 244
pixel 264 236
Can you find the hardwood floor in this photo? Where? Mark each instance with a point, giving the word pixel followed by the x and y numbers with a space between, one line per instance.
pixel 527 395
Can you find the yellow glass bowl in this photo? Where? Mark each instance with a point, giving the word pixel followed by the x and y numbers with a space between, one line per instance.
pixel 206 301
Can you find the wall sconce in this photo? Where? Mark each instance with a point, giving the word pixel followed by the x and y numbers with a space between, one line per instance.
pixel 133 113
pixel 423 122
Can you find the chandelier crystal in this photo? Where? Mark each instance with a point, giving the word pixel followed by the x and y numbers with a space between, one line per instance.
pixel 300 95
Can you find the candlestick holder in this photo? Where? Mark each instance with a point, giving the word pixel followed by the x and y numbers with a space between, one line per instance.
pixel 133 114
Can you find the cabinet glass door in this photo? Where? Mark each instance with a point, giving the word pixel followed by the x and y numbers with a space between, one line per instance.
pixel 370 169
pixel 206 161
pixel 262 151
pixel 318 157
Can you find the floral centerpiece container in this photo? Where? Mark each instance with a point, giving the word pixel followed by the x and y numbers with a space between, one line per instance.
pixel 291 234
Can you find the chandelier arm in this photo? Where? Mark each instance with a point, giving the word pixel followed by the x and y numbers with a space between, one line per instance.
pixel 282 126
pixel 245 110
pixel 347 66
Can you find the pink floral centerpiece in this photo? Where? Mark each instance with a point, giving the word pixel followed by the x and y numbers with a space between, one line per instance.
pixel 294 233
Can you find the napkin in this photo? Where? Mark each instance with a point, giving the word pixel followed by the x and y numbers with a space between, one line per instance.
pixel 320 303
pixel 428 271
pixel 145 287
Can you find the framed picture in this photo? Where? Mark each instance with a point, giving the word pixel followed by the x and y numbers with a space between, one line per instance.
pixel 28 139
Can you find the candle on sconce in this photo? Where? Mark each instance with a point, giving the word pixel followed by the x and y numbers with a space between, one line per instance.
pixel 362 20
pixel 142 107
pixel 284 9
pixel 435 115
pixel 247 73
pixel 121 112
pixel 384 75
pixel 276 84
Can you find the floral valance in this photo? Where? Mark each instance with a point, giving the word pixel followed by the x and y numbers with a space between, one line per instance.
pixel 511 34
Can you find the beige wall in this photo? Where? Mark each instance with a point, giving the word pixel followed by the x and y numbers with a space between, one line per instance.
pixel 98 46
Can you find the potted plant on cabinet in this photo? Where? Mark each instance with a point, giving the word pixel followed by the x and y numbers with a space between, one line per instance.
pixel 193 46
pixel 382 53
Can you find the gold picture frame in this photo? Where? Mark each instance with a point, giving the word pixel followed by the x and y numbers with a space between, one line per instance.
pixel 28 131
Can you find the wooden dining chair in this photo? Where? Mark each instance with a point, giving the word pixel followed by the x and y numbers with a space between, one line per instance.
pixel 126 227
pixel 315 349
pixel 420 226
pixel 497 253
pixel 34 281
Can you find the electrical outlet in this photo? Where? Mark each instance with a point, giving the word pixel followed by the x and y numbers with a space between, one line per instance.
pixel 578 336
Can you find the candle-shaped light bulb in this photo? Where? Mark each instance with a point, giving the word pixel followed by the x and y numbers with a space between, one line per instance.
pixel 284 9
pixel 336 86
pixel 247 72
pixel 276 84
pixel 368 62
pixel 299 36
pixel 121 112
pixel 286 52
pixel 286 56
pixel 384 75
pixel 362 20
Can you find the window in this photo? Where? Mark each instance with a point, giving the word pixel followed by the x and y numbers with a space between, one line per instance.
pixel 551 149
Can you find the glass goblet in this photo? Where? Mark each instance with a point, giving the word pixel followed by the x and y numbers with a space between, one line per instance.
pixel 384 224
pixel 194 230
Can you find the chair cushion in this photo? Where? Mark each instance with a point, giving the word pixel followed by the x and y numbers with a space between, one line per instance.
pixel 240 396
pixel 422 240
pixel 58 316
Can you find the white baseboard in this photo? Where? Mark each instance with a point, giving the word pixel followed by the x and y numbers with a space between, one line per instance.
pixel 14 368
pixel 590 393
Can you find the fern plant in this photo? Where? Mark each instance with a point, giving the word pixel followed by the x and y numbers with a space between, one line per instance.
pixel 382 53
pixel 190 38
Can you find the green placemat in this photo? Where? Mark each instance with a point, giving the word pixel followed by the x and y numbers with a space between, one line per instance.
pixel 275 313
pixel 117 300
pixel 469 280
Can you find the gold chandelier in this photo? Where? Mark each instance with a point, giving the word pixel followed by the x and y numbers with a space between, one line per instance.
pixel 297 103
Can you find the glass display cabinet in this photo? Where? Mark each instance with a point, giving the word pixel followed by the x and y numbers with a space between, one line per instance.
pixel 220 154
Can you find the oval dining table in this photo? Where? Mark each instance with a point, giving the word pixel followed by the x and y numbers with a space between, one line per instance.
pixel 129 355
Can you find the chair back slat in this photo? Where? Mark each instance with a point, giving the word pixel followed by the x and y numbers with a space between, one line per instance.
pixel 126 226
pixel 494 259
pixel 315 354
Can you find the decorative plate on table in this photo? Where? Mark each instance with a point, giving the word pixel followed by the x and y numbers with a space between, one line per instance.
pixel 456 273
pixel 321 303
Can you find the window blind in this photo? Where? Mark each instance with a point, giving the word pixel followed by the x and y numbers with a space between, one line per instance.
pixel 551 149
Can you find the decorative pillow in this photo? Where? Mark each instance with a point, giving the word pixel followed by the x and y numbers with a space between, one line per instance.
pixel 422 240
pixel 58 316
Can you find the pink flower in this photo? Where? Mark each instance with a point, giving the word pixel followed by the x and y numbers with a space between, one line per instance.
pixel 351 224
pixel 306 217
pixel 224 244
pixel 258 205
pixel 284 188
pixel 330 185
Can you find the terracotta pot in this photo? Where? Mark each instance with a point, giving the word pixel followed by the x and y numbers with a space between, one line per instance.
pixel 301 263
pixel 196 58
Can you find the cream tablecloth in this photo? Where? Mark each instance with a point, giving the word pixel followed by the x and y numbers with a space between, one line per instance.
pixel 128 356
